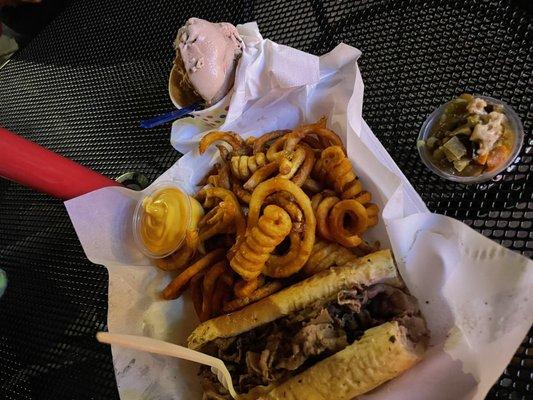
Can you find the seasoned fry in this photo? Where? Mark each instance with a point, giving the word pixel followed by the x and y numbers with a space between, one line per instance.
pixel 180 257
pixel 234 140
pixel 348 236
pixel 297 158
pixel 196 293
pixel 313 142
pixel 177 285
pixel 372 211
pixel 289 257
pixel 262 224
pixel 261 174
pixel 343 221
pixel 261 239
pixel 286 201
pixel 212 196
pixel 221 178
pixel 326 255
pixel 222 293
pixel 326 136
pixel 278 267
pixel 243 166
pixel 224 153
pixel 335 168
pixel 364 197
pixel 261 141
pixel 322 216
pixel 275 151
pixel 284 164
pixel 208 288
pixel 245 288
pixel 243 195
pixel 318 197
pixel 227 278
pixel 218 220
pixel 305 169
pixel 260 293
pixel 312 186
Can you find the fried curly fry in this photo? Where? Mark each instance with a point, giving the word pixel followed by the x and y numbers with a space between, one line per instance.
pixel 243 166
pixel 261 239
pixel 277 261
pixel 242 194
pixel 234 140
pixel 221 178
pixel 281 266
pixel 364 197
pixel 177 285
pixel 318 197
pixel 284 163
pixel 214 195
pixel 355 213
pixel 261 174
pixel 296 160
pixel 312 186
pixel 260 293
pixel 335 168
pixel 276 150
pixel 322 216
pixel 326 255
pixel 225 155
pixel 325 136
pixel 372 211
pixel 246 288
pixel 196 293
pixel 261 141
pixel 305 169
pixel 208 288
pixel 180 257
pixel 222 295
pixel 342 221
pixel 313 142
pixel 218 220
pixel 286 201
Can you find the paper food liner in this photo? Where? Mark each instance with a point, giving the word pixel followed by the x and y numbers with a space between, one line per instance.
pixel 214 116
pixel 473 292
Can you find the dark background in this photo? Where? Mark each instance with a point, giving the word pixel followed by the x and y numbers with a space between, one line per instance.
pixel 83 83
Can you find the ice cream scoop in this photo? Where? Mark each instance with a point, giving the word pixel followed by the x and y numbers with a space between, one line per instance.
pixel 206 58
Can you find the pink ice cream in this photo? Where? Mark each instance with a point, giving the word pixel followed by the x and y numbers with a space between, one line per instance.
pixel 210 52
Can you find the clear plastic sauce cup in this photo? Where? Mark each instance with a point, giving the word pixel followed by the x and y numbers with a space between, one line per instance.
pixel 516 127
pixel 162 218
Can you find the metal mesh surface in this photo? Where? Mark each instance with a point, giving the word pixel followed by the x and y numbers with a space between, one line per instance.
pixel 81 87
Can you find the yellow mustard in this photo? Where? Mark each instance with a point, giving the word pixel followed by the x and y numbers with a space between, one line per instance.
pixel 166 215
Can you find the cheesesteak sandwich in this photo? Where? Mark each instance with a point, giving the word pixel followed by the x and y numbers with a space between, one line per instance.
pixel 335 335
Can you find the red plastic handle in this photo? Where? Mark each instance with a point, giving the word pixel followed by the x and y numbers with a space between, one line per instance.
pixel 31 165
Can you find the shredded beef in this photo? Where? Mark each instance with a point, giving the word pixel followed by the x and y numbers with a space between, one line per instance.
pixel 351 298
pixel 276 350
pixel 390 301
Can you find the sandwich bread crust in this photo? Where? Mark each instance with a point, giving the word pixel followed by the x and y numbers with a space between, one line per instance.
pixel 368 270
pixel 383 353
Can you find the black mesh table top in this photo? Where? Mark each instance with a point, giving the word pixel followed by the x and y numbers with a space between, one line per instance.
pixel 83 84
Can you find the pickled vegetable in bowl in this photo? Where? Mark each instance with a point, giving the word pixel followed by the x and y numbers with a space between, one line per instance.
pixel 472 136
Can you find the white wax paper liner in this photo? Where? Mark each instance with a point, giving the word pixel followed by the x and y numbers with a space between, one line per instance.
pixel 473 292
